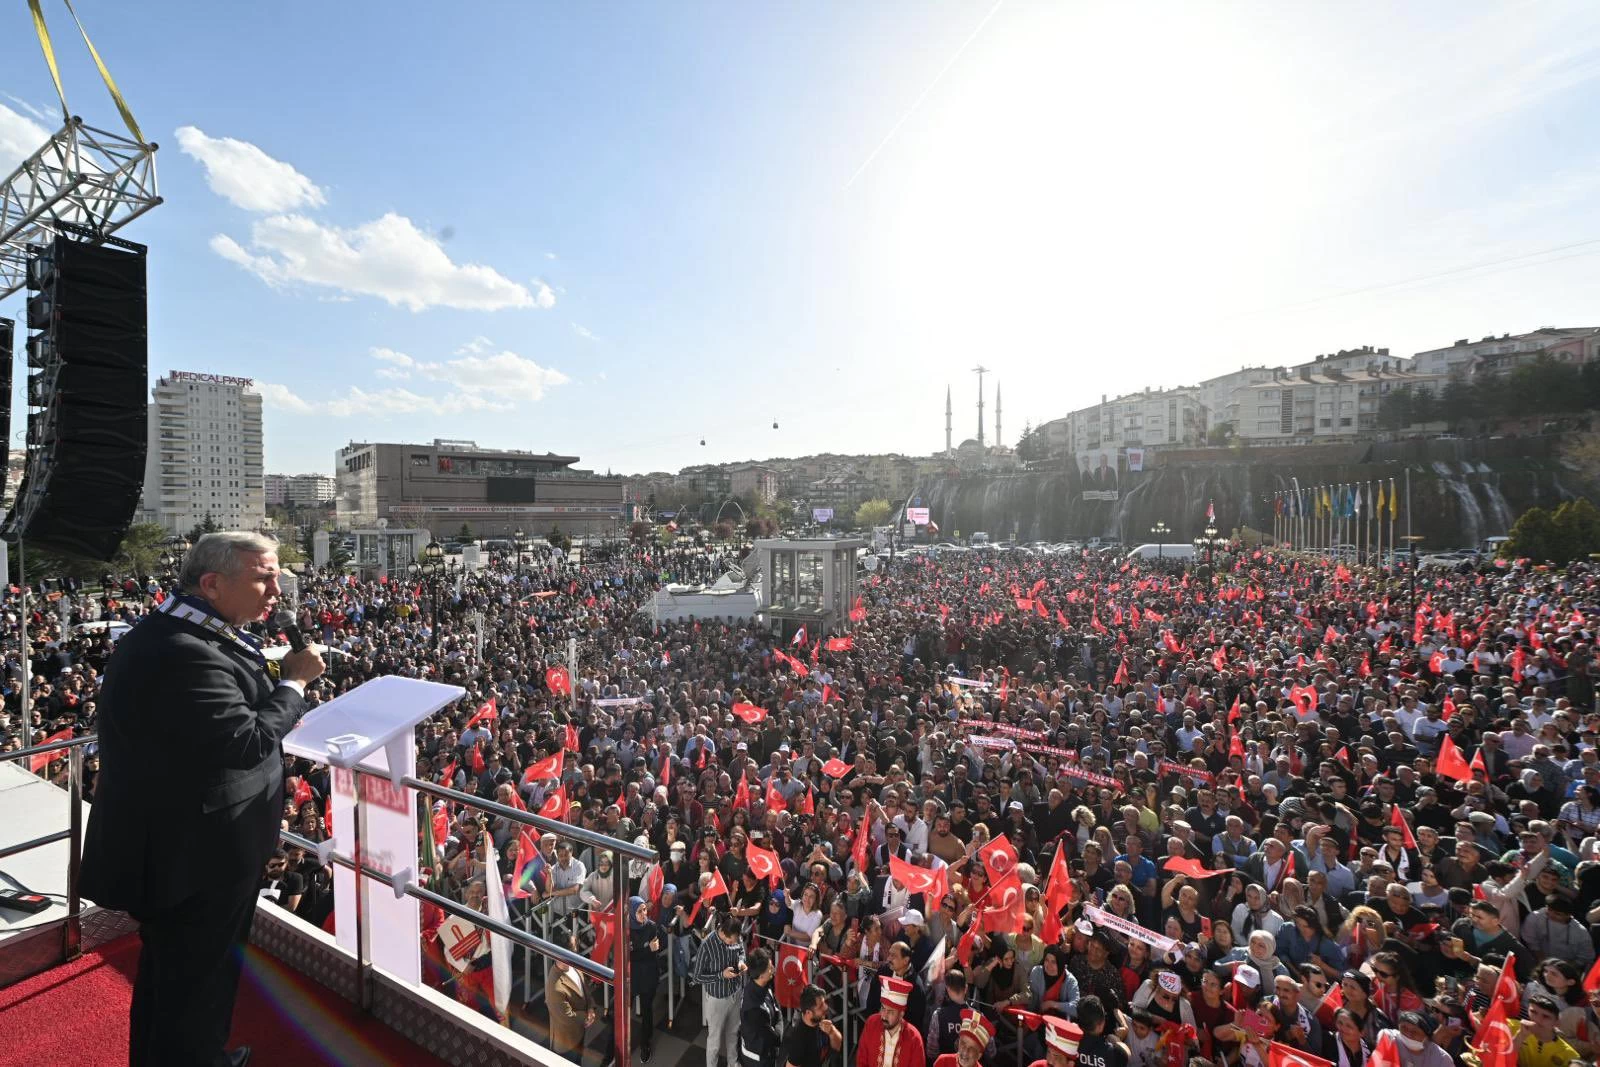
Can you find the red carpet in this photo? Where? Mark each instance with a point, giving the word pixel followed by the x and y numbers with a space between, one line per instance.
pixel 77 1014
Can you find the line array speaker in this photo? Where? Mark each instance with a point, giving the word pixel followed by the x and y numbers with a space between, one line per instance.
pixel 87 409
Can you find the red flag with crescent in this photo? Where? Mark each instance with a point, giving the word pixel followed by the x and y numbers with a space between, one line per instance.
pixel 835 768
pixel 775 801
pixel 841 644
pixel 999 858
pixel 858 852
pixel 558 681
pixel 717 888
pixel 1451 762
pixel 1057 896
pixel 486 713
pixel 605 935
pixel 546 769
pixel 1397 819
pixel 1003 908
pixel 741 795
pixel 555 805
pixel 1281 1055
pixel 932 883
pixel 791 980
pixel 572 737
pixel 750 713
pixel 763 863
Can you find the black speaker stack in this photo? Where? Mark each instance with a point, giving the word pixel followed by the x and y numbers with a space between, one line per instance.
pixel 88 374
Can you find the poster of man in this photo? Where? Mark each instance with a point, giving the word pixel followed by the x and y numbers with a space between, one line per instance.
pixel 1097 468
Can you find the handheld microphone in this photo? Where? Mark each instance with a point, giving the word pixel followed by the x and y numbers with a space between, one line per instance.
pixel 284 621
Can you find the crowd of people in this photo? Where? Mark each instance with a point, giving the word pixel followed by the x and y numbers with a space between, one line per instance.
pixel 1118 813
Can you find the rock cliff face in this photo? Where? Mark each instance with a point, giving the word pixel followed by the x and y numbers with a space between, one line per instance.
pixel 1461 491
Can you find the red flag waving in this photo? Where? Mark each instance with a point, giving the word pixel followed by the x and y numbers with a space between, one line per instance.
pixel 750 713
pixel 572 737
pixel 486 713
pixel 741 793
pixel 1451 762
pixel 555 805
pixel 934 884
pixel 1496 1047
pixel 39 763
pixel 763 863
pixel 840 644
pixel 791 979
pixel 717 888
pixel 1591 981
pixel 1397 819
pixel 859 850
pixel 605 935
pixel 545 769
pixel 1057 896
pixel 835 768
pixel 1003 906
pixel 775 801
pixel 1386 1053
pixel 1281 1055
pixel 999 858
pixel 558 681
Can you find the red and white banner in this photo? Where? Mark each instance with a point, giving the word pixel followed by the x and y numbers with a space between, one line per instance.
pixel 1003 743
pixel 1167 766
pixel 1129 928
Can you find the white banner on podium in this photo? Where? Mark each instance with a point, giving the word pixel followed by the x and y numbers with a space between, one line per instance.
pixel 369 727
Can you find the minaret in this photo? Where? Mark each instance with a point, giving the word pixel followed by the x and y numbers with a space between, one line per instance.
pixel 949 413
pixel 999 438
pixel 980 371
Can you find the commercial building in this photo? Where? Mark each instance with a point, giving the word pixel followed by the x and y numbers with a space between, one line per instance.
pixel 205 458
pixel 755 481
pixel 495 492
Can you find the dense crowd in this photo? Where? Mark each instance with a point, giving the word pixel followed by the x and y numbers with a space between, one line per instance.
pixel 1119 812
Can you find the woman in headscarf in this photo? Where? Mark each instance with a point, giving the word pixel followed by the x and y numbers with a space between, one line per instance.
pixel 645 940
pixel 1255 913
pixel 1052 988
pixel 775 918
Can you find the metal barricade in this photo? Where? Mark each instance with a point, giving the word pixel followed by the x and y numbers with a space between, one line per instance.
pixel 613 977
pixel 72 928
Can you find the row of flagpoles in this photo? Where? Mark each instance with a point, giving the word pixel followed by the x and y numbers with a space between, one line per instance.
pixel 1322 517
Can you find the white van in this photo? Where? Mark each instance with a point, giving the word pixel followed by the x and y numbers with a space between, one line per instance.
pixel 1178 551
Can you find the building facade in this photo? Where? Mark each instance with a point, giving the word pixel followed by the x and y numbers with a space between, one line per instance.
pixel 445 485
pixel 277 488
pixel 205 453
pixel 753 480
pixel 1314 403
pixel 1152 419
pixel 310 490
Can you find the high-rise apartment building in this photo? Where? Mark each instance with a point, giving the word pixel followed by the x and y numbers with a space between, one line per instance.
pixel 205 453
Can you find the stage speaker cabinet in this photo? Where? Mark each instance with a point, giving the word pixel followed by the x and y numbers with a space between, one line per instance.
pixel 87 394
pixel 8 355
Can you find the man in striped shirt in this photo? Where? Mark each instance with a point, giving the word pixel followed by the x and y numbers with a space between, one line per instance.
pixel 717 970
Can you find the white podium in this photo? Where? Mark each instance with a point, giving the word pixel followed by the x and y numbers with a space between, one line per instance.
pixel 373 728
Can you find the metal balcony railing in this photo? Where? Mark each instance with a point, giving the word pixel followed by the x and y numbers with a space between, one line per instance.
pixel 72 930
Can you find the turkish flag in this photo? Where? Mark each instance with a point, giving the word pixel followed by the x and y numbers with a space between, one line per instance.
pixel 1003 908
pixel 967 944
pixel 775 801
pixel 605 935
pixel 572 737
pixel 1506 992
pixel 655 883
pixel 1591 981
pixel 741 795
pixel 40 762
pixel 558 681
pixel 999 858
pixel 1191 867
pixel 841 644
pixel 931 883
pixel 806 805
pixel 835 768
pixel 1448 709
pixel 1057 896
pixel 791 979
pixel 750 713
pixel 1477 763
pixel 1236 747
pixel 555 805
pixel 486 712
pixel 1330 1004
pixel 1451 762
pixel 1121 677
pixel 717 888
pixel 477 758
pixel 1281 1055
pixel 858 852
pixel 1495 1045
pixel 302 792
pixel 763 863
pixel 546 768
pixel 1397 819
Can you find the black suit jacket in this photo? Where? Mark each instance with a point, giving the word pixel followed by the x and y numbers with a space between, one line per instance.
pixel 190 791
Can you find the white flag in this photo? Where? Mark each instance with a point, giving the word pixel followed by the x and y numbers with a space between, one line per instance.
pixel 499 945
pixel 933 970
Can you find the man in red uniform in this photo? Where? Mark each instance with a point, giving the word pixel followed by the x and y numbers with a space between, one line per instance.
pixel 974 1036
pixel 1061 1037
pixel 886 1040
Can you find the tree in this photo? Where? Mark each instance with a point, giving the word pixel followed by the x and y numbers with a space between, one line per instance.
pixel 140 551
pixel 558 539
pixel 1220 435
pixel 1577 530
pixel 289 553
pixel 1395 409
pixel 1532 536
pixel 200 529
pixel 873 513
pixel 465 533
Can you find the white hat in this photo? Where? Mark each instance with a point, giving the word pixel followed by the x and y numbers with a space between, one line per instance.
pixel 1062 1035
pixel 896 991
pixel 912 917
pixel 1169 982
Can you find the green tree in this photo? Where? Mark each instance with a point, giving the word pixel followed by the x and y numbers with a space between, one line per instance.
pixel 1220 435
pixel 465 533
pixel 1395 409
pixel 140 552
pixel 1425 406
pixel 873 513
pixel 558 539
pixel 289 552
pixel 200 529
pixel 1532 536
pixel 1577 531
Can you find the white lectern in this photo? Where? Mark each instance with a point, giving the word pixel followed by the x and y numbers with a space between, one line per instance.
pixel 373 728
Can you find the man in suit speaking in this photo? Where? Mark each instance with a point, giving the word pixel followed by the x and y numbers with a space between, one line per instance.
pixel 190 794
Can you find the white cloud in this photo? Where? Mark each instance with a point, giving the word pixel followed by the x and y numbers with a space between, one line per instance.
pixel 20 137
pixel 388 258
pixel 549 255
pixel 543 295
pixel 584 332
pixel 479 379
pixel 246 176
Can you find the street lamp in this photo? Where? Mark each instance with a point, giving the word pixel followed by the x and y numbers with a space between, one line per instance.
pixel 516 546
pixel 1412 539
pixel 431 571
pixel 1208 541
pixel 1159 531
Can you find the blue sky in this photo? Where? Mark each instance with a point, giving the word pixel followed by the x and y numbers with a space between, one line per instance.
pixel 614 230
